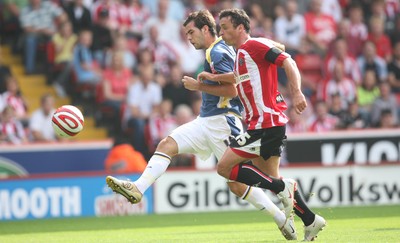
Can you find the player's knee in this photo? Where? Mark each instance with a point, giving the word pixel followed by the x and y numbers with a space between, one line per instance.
pixel 223 170
pixel 167 146
pixel 236 188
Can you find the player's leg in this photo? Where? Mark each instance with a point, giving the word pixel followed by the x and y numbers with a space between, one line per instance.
pixel 257 197
pixel 231 166
pixel 265 143
pixel 229 163
pixel 219 129
pixel 184 139
pixel 189 138
pixel 158 163
pixel 156 166
pixel 312 223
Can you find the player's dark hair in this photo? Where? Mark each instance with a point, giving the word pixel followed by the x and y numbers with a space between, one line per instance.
pixel 238 17
pixel 201 18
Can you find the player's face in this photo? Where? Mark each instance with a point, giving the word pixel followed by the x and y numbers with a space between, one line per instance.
pixel 227 31
pixel 194 35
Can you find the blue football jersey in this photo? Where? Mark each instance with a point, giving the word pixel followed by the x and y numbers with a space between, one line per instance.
pixel 220 58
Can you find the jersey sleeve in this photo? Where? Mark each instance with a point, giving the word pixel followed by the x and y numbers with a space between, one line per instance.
pixel 264 49
pixel 222 61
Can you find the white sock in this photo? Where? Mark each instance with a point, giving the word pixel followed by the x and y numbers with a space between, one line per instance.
pixel 157 165
pixel 257 197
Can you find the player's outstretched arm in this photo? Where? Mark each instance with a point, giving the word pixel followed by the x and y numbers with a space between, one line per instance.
pixel 223 90
pixel 220 77
pixel 294 82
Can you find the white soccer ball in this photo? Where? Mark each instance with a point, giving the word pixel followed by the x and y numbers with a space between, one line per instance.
pixel 67 121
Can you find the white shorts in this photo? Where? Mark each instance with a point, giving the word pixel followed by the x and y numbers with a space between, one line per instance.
pixel 207 135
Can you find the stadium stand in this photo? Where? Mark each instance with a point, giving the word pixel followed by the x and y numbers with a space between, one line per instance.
pixel 129 25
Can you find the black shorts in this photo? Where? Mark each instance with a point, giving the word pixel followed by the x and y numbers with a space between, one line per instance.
pixel 265 142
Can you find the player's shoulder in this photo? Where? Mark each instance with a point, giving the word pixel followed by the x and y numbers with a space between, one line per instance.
pixel 256 42
pixel 221 49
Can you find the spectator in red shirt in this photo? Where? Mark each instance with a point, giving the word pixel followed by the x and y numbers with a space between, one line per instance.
pixel 340 84
pixel 296 122
pixel 380 39
pixel 11 129
pixel 132 16
pixel 161 124
pixel 115 86
pixel 322 121
pixel 342 55
pixel 110 6
pixel 358 31
pixel 12 97
pixel 320 28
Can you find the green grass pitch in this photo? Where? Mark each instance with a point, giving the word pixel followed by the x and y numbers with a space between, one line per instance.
pixel 350 224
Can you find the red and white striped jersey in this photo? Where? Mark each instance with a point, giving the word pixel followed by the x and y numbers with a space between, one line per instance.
pixel 257 83
pixel 326 124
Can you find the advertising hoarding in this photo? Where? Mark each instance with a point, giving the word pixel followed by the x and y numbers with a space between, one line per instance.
pixel 53 158
pixel 66 197
pixel 200 191
pixel 347 147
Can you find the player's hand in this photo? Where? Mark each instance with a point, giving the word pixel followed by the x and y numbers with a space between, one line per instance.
pixel 299 102
pixel 190 83
pixel 204 76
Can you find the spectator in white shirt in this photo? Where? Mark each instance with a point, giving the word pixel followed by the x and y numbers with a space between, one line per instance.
pixel 168 28
pixel 332 8
pixel 40 122
pixel 369 60
pixel 190 58
pixel 143 100
pixel 290 28
pixel 38 22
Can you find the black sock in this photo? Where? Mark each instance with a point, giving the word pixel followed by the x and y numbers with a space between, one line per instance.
pixel 252 176
pixel 301 209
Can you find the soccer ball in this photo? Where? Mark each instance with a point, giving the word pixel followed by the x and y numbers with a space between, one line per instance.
pixel 67 121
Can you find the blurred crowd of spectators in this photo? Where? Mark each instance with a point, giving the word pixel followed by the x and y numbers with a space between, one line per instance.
pixel 130 56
